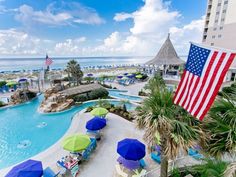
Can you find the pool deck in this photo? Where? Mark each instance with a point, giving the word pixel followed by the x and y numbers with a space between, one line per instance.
pixel 102 162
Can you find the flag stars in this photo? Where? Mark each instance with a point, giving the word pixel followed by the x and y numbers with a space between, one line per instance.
pixel 196 60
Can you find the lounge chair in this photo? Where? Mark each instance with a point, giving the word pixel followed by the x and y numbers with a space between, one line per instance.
pixel 142 173
pixel 75 170
pixel 120 172
pixel 156 158
pixel 142 163
pixel 47 172
pixel 195 154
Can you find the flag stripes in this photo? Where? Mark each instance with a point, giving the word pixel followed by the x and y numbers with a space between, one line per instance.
pixel 202 79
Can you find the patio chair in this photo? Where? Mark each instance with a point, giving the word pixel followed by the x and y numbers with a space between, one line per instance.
pixel 47 172
pixel 75 170
pixel 156 158
pixel 142 163
pixel 120 172
pixel 195 154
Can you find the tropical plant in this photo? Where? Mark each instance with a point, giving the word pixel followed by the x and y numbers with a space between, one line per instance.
pixel 2 104
pixel 74 71
pixel 212 168
pixel 156 83
pixel 2 83
pixel 220 126
pixel 103 103
pixel 89 79
pixel 230 170
pixel 161 118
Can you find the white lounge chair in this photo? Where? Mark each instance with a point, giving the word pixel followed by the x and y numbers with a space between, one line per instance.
pixel 120 172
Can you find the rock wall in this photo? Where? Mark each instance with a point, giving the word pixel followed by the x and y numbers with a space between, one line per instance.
pixel 21 96
pixel 55 101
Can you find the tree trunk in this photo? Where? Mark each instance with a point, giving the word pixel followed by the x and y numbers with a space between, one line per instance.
pixel 164 158
pixel 164 166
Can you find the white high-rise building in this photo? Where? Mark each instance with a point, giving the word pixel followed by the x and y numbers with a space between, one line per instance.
pixel 220 28
pixel 220 24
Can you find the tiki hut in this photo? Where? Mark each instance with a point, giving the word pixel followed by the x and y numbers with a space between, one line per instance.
pixel 166 55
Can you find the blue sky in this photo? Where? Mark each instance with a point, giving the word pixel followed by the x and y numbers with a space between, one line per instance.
pixel 97 27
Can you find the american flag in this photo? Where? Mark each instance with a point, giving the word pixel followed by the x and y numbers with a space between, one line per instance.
pixel 202 78
pixel 48 61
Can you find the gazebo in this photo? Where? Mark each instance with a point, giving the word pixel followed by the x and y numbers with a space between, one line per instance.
pixel 166 57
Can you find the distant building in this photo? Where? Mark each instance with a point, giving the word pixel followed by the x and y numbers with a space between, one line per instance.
pixel 220 28
pixel 220 24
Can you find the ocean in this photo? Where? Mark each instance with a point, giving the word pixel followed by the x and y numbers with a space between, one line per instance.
pixel 19 64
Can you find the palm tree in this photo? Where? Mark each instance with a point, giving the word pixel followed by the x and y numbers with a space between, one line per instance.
pixel 220 126
pixel 211 168
pixel 161 118
pixel 74 71
pixel 230 170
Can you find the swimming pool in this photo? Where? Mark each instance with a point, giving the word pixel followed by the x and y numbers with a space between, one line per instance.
pixel 121 94
pixel 24 132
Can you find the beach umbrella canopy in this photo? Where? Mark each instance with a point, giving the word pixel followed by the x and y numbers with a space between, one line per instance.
pixel 29 168
pixel 99 111
pixel 22 80
pixel 89 75
pixel 131 149
pixel 139 76
pixel 11 83
pixel 119 77
pixel 76 143
pixel 126 74
pixel 129 164
pixel 96 123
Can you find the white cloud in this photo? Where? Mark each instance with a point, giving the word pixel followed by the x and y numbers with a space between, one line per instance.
pixel 69 47
pixel 152 22
pixel 14 42
pixel 74 13
pixel 122 16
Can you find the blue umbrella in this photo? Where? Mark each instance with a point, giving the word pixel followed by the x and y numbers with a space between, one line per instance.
pixel 131 149
pixel 29 168
pixel 96 123
pixel 119 77
pixel 89 75
pixel 22 80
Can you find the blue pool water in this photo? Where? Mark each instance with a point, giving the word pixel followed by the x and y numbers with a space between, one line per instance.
pixel 24 132
pixel 121 94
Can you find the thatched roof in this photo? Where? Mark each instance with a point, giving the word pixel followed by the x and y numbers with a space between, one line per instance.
pixel 80 89
pixel 166 55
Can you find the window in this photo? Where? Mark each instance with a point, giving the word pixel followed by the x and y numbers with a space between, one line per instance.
pixel 214 29
pixel 219 36
pixel 216 21
pixel 222 20
pixel 212 44
pixel 219 4
pixel 224 11
pixel 217 13
pixel 213 37
pixel 221 27
pixel 226 2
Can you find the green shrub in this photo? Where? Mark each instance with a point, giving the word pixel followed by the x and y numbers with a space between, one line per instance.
pixel 2 83
pixel 175 173
pixel 2 104
pixel 80 98
pixel 98 93
pixel 229 89
pixel 31 95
